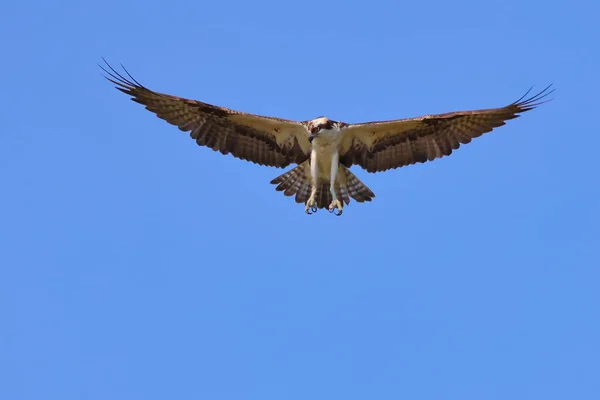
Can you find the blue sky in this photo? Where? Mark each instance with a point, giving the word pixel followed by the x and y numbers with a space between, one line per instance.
pixel 137 265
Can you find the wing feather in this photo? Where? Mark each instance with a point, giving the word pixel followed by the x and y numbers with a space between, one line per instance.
pixel 259 139
pixel 382 145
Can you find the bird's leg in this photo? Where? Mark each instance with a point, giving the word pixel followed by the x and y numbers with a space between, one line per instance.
pixel 335 163
pixel 311 203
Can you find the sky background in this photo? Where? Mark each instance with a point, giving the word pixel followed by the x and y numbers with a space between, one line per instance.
pixel 135 264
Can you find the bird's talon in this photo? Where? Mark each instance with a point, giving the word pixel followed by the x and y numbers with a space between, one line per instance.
pixel 310 207
pixel 336 205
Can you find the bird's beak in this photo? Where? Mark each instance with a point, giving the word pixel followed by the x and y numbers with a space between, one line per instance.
pixel 311 137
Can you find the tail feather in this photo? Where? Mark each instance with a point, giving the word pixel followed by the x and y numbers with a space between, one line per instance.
pixel 357 190
pixel 342 193
pixel 297 182
pixel 282 178
pixel 288 182
pixel 294 184
pixel 324 197
pixel 303 193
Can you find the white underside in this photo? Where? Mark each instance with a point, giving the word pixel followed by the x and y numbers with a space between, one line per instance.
pixel 325 157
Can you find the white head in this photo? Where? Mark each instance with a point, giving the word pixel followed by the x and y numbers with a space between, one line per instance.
pixel 319 124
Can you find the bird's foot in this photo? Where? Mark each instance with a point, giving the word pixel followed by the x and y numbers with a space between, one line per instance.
pixel 311 206
pixel 336 204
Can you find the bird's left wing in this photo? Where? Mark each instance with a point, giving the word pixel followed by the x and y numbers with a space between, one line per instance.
pixel 262 140
pixel 379 146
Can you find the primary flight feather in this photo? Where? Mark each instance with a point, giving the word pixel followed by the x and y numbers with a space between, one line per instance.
pixel 323 149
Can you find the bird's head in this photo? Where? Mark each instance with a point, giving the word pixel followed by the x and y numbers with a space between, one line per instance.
pixel 317 125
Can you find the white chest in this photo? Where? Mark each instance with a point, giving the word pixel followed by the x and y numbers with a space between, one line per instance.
pixel 328 140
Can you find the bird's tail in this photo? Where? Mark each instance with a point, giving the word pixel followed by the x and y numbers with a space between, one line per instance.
pixel 297 181
pixel 354 187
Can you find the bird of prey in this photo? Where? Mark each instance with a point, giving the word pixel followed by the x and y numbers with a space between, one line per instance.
pixel 323 149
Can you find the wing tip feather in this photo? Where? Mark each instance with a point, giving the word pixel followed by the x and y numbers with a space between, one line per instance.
pixel 119 80
pixel 526 104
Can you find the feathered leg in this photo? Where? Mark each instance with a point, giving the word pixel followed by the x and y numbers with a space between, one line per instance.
pixel 336 203
pixel 311 204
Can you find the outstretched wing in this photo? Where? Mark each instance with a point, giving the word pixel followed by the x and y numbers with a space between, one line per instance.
pixel 262 140
pixel 379 146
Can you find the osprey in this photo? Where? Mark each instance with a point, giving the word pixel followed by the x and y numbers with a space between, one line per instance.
pixel 323 149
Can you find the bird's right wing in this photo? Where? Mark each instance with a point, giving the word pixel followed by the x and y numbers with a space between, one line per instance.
pixel 262 140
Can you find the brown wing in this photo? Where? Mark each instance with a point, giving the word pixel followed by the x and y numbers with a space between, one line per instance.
pixel 379 146
pixel 262 140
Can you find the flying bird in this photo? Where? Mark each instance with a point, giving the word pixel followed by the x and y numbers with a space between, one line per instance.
pixel 322 149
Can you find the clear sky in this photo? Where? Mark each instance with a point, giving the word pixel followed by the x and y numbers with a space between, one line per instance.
pixel 135 264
